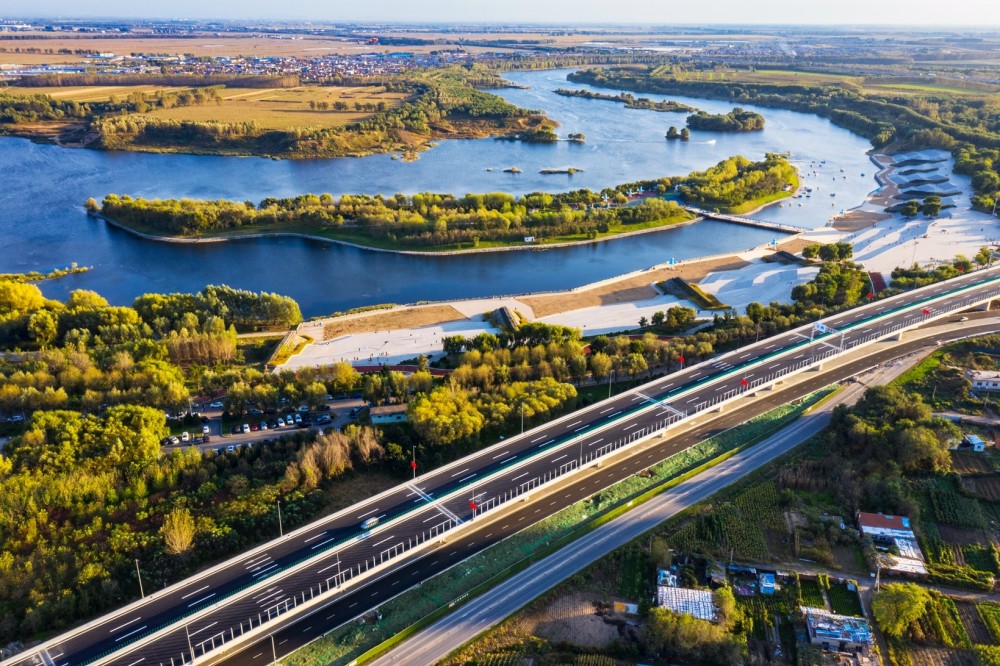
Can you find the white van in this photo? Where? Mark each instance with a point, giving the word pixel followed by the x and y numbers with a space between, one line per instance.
pixel 369 523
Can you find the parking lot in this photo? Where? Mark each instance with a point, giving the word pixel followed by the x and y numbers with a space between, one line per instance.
pixel 231 434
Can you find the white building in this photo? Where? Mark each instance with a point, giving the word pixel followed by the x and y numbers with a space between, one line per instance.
pixel 886 530
pixel 983 380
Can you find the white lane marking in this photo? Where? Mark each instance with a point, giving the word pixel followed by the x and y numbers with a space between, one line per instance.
pixel 111 631
pixel 615 414
pixel 634 425
pixel 719 389
pixel 466 478
pixel 462 472
pixel 697 374
pixel 599 439
pixel 558 459
pixel 195 603
pixel 382 541
pixel 264 592
pixel 134 631
pixel 581 428
pixel 693 399
pixel 191 594
pixel 774 366
pixel 501 454
pixel 255 558
pixel 538 438
pixel 323 543
pixel 264 600
pixel 744 356
pixel 335 564
pixel 315 536
pixel 770 347
pixel 508 460
pixel 520 476
pixel 570 425
pixel 207 626
pixel 604 411
pixel 369 513
pixel 799 356
pixel 266 569
pixel 137 661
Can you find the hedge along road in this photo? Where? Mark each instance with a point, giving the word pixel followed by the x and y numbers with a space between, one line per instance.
pixel 302 562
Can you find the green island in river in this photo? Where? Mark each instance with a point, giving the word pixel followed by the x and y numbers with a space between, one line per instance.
pixel 430 222
pixel 405 113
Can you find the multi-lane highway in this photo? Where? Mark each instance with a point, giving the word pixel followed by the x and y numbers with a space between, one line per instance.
pixel 317 565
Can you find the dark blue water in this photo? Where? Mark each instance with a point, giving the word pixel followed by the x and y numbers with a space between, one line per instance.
pixel 42 189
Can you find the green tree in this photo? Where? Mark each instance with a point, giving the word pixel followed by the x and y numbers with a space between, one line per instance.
pixel 445 416
pixel 898 605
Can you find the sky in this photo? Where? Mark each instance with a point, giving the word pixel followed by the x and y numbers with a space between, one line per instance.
pixel 849 12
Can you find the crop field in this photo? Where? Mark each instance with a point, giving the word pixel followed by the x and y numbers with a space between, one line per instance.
pixel 929 656
pixel 989 613
pixel 987 487
pixel 973 623
pixel 633 571
pixel 283 108
pixel 844 601
pixel 812 595
pixel 964 463
pixel 87 93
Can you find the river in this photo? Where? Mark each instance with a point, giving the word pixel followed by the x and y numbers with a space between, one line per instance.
pixel 43 225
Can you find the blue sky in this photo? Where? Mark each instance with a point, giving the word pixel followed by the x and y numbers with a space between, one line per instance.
pixel 852 12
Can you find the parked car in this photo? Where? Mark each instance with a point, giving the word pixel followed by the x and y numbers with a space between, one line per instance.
pixel 205 430
pixel 323 419
pixel 280 422
pixel 218 404
pixel 254 427
pixel 173 440
pixel 246 427
pixel 298 418
pixel 17 418
pixel 185 436
pixel 263 425
pixel 236 430
pixel 231 448
pixel 304 409
pixel 324 408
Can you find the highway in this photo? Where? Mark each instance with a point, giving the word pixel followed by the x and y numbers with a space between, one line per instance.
pixel 304 569
pixel 458 628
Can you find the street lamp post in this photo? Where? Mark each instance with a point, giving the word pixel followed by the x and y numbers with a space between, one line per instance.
pixel 281 529
pixel 274 650
pixel 413 462
pixel 139 574
pixel 190 648
pixel 522 417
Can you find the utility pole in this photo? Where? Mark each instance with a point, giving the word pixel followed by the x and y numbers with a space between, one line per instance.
pixel 139 574
pixel 281 530
pixel 522 417
pixel 413 463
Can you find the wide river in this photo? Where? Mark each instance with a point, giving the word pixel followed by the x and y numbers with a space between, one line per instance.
pixel 43 188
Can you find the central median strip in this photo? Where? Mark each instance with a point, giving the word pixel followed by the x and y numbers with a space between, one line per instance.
pixel 435 597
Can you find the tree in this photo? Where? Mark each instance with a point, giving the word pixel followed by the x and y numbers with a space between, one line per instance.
pixel 643 322
pixel 600 365
pixel 910 208
pixel 811 251
pixel 685 134
pixel 43 327
pixel 931 206
pixel 898 605
pixel 445 416
pixel 984 257
pixel 178 531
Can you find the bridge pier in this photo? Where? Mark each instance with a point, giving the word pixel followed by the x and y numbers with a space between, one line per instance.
pixel 985 307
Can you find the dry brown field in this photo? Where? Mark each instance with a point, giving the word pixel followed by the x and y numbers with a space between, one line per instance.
pixel 271 108
pixel 281 108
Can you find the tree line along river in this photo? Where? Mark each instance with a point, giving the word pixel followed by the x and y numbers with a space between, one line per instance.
pixel 44 225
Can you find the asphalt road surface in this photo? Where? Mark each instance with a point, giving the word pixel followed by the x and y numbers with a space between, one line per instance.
pixel 452 632
pixel 288 574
